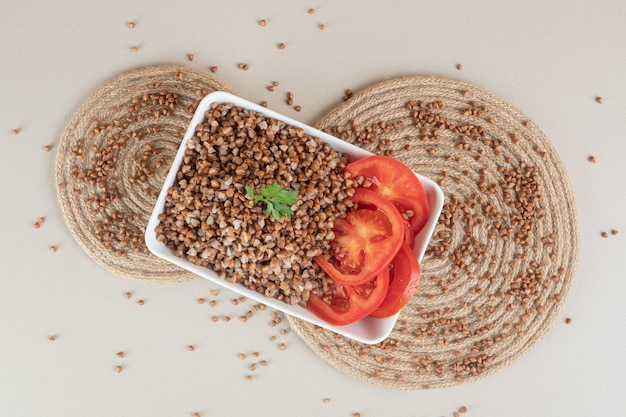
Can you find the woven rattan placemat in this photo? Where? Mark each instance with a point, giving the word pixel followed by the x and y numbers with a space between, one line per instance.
pixel 113 157
pixel 504 253
pixel 498 267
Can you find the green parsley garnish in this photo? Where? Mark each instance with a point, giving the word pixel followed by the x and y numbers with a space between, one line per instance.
pixel 278 200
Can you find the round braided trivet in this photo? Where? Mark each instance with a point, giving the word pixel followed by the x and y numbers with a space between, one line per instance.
pixel 113 158
pixel 505 250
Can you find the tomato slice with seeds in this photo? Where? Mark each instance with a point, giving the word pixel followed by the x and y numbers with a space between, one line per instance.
pixel 366 240
pixel 355 235
pixel 404 277
pixel 396 182
pixel 346 304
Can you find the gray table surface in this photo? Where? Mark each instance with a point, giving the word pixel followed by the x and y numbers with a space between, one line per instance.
pixel 549 59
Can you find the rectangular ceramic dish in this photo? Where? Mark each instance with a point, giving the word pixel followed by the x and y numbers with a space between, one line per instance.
pixel 368 330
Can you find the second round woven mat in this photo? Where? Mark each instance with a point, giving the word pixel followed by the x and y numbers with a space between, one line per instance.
pixel 113 158
pixel 504 253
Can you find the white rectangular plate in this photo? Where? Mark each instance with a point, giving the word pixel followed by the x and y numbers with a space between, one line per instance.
pixel 368 330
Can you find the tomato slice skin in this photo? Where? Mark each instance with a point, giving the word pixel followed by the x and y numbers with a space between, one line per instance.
pixel 349 304
pixel 396 182
pixel 404 279
pixel 364 248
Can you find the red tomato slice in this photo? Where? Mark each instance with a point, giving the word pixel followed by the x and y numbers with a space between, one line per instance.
pixel 365 240
pixel 396 182
pixel 404 277
pixel 345 304
pixel 409 237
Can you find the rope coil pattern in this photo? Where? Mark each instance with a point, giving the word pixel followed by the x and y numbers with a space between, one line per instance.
pixel 504 253
pixel 113 157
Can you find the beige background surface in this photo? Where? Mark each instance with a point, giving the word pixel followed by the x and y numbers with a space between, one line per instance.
pixel 549 59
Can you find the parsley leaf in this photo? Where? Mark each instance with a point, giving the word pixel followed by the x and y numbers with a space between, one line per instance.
pixel 277 199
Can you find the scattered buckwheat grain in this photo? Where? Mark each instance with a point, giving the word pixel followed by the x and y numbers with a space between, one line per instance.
pixel 131 25
pixel 599 100
pixel 191 57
